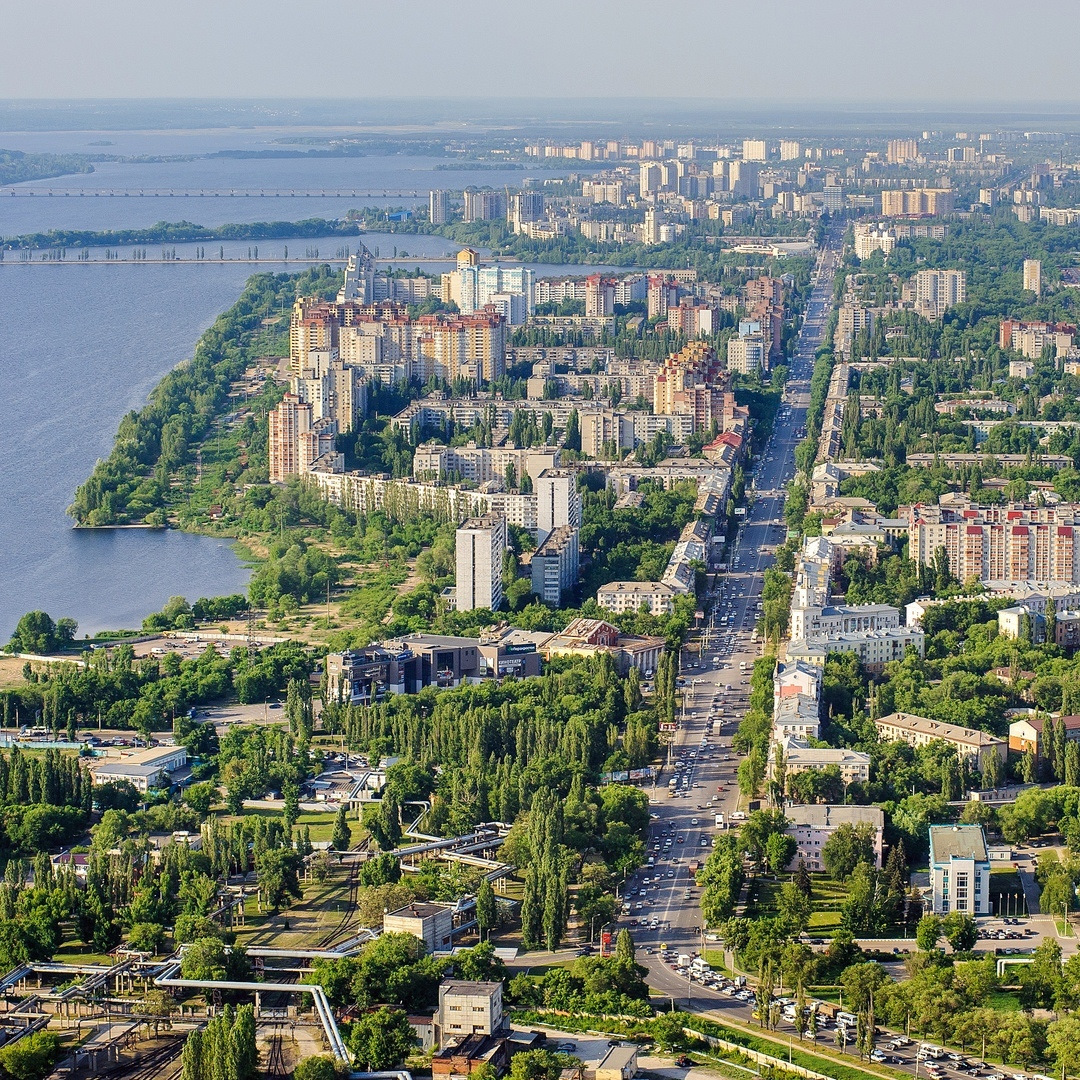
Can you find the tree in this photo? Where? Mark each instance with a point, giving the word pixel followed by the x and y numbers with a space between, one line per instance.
pixel 779 849
pixel 146 937
pixel 802 880
pixel 200 797
pixel 32 1057
pixel 848 846
pixel 381 1039
pixel 624 947
pixel 341 839
pixel 928 932
pixel 1063 1044
pixel 319 1067
pixel 960 931
pixel 794 906
pixel 486 907
pixel 35 633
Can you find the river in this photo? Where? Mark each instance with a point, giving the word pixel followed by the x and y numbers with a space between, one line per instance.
pixel 80 345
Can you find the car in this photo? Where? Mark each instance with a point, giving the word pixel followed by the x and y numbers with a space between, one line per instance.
pixel 694 821
pixel 565 1047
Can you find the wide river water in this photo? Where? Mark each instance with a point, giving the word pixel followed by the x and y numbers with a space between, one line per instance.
pixel 80 345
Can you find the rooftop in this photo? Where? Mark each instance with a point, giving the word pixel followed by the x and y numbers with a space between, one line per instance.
pixel 957 842
pixel 823 817
pixel 419 910
pixel 935 729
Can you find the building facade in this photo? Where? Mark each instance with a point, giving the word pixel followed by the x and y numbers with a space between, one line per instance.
pixel 480 544
pixel 959 870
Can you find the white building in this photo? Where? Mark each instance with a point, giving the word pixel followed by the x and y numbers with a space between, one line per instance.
pixel 810 623
pixel 619 597
pixel 746 353
pixel 142 768
pixel 811 827
pixel 796 716
pixel 959 870
pixel 937 290
pixel 558 501
pixel 480 544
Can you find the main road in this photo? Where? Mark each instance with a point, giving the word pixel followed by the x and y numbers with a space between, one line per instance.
pixel 661 902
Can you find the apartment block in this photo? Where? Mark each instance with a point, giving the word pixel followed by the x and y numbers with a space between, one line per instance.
pixel 439 207
pixel 1032 338
pixel 482 464
pixel 874 648
pixel 754 150
pixel 1033 276
pixel 971 745
pixel 796 716
pixel 1011 542
pixel 484 205
pixel 554 565
pixel 480 544
pixel 620 597
pixel 854 765
pixel 558 501
pixel 297 440
pixel 811 827
pixel 901 151
pixel 917 202
pixel 599 296
pixel 938 290
pixel 1028 734
pixel 812 621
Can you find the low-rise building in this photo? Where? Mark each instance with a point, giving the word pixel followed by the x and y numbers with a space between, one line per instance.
pixel 619 597
pixel 433 924
pixel 796 716
pixel 468 1007
pixel 619 1063
pixel 959 870
pixel 811 827
pixel 874 648
pixel 143 768
pixel 854 766
pixel 1027 735
pixel 970 744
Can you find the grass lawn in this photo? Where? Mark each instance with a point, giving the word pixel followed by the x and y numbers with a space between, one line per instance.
pixel 320 823
pixel 827 900
pixel 1003 1001
pixel 308 920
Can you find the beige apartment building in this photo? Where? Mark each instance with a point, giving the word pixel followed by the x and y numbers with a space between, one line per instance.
pixel 974 746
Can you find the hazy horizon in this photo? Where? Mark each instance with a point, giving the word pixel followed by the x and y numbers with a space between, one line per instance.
pixel 780 53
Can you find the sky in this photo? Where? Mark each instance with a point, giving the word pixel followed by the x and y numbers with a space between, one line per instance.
pixel 902 52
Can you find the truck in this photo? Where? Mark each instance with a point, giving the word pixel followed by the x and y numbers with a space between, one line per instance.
pixel 683 960
pixel 693 867
pixel 719 821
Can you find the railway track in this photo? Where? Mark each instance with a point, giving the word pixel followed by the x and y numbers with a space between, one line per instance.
pixel 161 1063
pixel 275 1062
pixel 348 916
